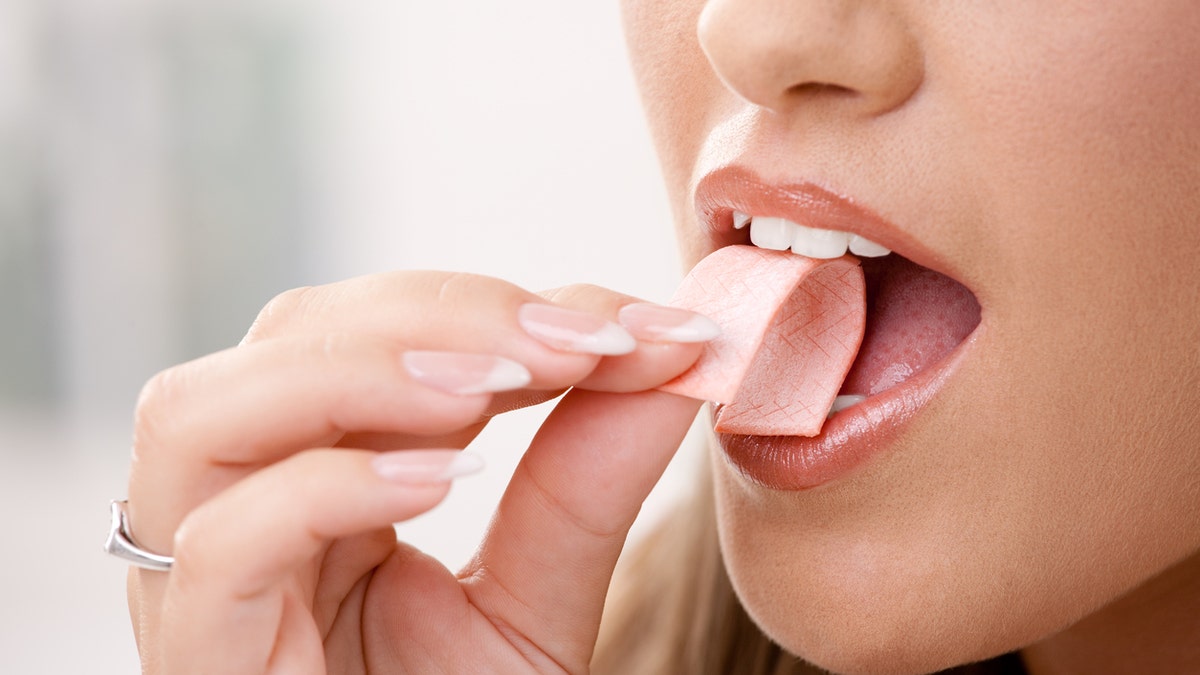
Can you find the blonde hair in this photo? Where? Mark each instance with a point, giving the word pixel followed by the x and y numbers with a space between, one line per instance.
pixel 672 610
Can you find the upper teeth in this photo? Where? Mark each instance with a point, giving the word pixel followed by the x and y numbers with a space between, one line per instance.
pixel 780 234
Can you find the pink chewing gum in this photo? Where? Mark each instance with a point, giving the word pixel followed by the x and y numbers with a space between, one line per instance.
pixel 791 329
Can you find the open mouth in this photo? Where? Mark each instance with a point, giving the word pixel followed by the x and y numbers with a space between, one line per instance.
pixel 917 318
pixel 915 315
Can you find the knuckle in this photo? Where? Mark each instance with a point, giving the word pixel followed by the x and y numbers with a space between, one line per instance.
pixel 599 526
pixel 461 295
pixel 187 545
pixel 196 564
pixel 458 287
pixel 155 401
pixel 278 312
pixel 341 353
pixel 583 296
pixel 334 348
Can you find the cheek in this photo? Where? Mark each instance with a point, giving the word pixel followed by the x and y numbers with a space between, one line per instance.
pixel 1080 136
pixel 676 83
pixel 1091 188
pixel 680 94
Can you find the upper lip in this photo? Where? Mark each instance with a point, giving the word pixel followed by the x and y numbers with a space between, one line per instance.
pixel 736 187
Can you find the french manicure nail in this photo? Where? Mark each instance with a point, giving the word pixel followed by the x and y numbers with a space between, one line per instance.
pixel 464 374
pixel 571 331
pixel 657 323
pixel 425 466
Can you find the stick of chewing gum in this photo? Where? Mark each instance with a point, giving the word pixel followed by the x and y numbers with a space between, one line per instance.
pixel 791 328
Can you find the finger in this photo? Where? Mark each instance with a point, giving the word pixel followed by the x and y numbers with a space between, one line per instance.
pixel 246 405
pixel 669 339
pixel 233 583
pixel 449 311
pixel 545 564
pixel 471 313
pixel 205 425
pixel 297 650
pixel 344 566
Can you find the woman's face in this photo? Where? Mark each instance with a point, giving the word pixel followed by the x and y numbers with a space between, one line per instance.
pixel 1046 156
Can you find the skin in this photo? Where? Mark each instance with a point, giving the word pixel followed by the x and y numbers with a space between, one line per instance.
pixel 1049 155
pixel 268 448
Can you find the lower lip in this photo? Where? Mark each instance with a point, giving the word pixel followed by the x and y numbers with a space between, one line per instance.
pixel 848 439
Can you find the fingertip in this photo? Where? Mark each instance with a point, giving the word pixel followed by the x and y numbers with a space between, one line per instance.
pixel 651 366
pixel 574 331
pixel 465 374
pixel 658 323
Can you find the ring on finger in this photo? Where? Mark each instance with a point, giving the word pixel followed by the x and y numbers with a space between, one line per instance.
pixel 120 543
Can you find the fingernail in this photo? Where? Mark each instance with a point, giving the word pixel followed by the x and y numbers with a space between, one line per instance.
pixel 425 466
pixel 571 331
pixel 657 323
pixel 463 374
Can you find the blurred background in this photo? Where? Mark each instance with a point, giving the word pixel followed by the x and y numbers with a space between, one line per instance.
pixel 167 166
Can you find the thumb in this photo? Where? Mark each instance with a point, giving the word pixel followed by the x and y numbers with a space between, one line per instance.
pixel 544 567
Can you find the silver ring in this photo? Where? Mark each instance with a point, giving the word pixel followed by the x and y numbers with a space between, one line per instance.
pixel 120 543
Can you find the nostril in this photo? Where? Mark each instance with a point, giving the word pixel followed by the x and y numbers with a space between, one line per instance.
pixel 776 54
pixel 822 89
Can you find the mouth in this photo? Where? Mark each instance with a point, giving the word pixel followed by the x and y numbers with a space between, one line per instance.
pixel 920 322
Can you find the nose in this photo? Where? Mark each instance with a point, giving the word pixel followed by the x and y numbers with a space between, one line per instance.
pixel 777 54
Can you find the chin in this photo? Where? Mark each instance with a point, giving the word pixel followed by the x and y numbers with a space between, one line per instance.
pixel 881 628
pixel 854 581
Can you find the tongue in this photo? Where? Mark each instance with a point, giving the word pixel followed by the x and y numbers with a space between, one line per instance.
pixel 791 329
pixel 915 316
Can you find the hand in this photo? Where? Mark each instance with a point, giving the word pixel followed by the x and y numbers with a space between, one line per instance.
pixel 274 471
